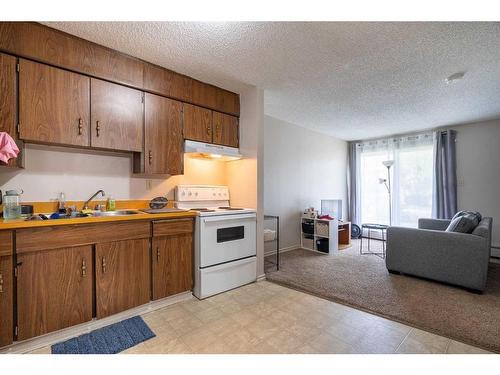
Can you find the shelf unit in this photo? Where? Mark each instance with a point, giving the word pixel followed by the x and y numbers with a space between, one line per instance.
pixel 319 230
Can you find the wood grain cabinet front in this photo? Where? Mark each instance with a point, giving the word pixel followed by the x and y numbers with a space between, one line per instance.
pixel 6 301
pixel 164 152
pixel 197 123
pixel 54 105
pixel 172 258
pixel 116 117
pixel 226 129
pixel 122 276
pixel 54 290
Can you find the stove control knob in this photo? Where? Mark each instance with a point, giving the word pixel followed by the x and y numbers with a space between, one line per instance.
pixel 190 194
pixel 196 194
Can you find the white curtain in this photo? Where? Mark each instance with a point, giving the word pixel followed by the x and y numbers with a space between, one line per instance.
pixel 411 179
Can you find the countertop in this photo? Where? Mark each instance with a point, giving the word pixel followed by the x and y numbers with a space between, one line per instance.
pixel 21 223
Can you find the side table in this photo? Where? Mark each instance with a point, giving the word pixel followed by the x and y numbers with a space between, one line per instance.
pixel 373 227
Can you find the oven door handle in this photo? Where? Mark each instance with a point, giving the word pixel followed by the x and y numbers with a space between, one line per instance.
pixel 252 217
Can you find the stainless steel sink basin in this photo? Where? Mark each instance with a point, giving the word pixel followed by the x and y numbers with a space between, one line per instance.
pixel 115 213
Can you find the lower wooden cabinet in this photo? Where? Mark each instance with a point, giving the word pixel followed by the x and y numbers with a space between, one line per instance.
pixel 54 290
pixel 172 257
pixel 6 301
pixel 122 276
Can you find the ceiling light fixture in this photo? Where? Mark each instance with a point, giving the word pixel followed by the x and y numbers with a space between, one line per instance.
pixel 454 78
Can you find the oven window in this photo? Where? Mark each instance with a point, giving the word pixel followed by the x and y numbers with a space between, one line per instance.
pixel 230 234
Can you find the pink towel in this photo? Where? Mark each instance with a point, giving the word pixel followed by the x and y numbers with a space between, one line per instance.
pixel 8 147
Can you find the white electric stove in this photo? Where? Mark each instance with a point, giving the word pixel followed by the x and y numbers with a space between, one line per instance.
pixel 225 239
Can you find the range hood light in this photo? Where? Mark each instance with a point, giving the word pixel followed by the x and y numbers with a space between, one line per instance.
pixel 209 151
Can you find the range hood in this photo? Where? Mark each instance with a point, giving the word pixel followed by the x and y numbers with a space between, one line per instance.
pixel 210 151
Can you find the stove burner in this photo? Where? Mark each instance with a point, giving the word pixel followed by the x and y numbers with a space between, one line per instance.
pixel 230 208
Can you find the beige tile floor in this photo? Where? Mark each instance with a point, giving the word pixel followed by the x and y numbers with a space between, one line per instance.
pixel 267 318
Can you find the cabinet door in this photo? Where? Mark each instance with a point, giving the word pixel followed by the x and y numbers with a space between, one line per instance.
pixel 225 129
pixel 8 98
pixel 197 123
pixel 163 136
pixel 122 276
pixel 54 290
pixel 6 299
pixel 54 105
pixel 116 117
pixel 172 265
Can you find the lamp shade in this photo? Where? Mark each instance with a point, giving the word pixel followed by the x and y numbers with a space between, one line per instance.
pixel 388 163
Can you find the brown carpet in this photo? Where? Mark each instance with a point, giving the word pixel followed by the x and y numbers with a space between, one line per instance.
pixel 363 282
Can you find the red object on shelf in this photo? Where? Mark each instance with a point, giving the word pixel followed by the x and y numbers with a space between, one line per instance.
pixel 325 217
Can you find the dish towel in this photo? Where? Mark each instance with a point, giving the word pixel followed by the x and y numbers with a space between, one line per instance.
pixel 8 147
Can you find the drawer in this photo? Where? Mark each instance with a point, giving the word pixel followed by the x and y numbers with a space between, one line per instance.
pixel 5 243
pixel 172 227
pixel 46 238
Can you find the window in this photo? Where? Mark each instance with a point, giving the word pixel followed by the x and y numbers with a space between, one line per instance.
pixel 411 180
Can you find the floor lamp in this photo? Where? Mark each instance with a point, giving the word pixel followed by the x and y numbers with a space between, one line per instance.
pixel 388 164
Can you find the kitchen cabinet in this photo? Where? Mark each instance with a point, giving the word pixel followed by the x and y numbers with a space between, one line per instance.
pixel 54 105
pixel 116 117
pixel 6 289
pixel 163 151
pixel 8 99
pixel 197 123
pixel 54 290
pixel 122 276
pixel 172 257
pixel 225 129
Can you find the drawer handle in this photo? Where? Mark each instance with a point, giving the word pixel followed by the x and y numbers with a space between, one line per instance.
pixel 1 283
pixel 103 264
pixel 84 268
pixel 80 126
pixel 97 128
pixel 150 157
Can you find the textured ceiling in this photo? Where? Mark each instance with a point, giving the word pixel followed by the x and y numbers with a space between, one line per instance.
pixel 352 80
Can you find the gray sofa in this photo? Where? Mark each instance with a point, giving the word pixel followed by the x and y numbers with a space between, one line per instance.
pixel 430 252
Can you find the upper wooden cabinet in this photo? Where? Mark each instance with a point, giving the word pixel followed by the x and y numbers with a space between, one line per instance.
pixel 54 290
pixel 54 47
pixel 54 105
pixel 122 276
pixel 225 129
pixel 163 136
pixel 41 43
pixel 197 123
pixel 116 117
pixel 8 102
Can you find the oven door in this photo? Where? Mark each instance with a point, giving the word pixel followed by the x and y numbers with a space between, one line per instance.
pixel 227 237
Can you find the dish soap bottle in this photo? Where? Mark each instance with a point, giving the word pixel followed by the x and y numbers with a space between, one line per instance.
pixel 110 204
pixel 62 203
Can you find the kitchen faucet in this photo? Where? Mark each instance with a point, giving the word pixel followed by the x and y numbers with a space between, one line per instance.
pixel 86 204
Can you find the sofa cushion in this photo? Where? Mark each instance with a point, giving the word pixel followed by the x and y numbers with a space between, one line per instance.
pixel 475 213
pixel 463 224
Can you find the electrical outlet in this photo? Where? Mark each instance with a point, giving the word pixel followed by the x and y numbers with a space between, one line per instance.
pixel 149 184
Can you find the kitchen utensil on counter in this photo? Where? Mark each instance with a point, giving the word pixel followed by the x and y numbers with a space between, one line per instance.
pixel 12 204
pixel 158 203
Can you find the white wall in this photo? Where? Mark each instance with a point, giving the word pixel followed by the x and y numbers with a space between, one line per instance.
pixel 245 176
pixel 78 173
pixel 301 167
pixel 478 171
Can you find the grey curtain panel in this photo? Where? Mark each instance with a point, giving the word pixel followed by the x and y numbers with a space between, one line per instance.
pixel 444 189
pixel 353 196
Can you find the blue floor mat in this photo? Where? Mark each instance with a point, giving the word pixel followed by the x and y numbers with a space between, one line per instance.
pixel 111 339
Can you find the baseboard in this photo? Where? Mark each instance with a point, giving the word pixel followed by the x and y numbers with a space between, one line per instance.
pixel 67 333
pixel 261 277
pixel 282 250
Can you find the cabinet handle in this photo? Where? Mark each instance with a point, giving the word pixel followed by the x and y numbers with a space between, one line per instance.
pixel 217 130
pixel 97 128
pixel 1 283
pixel 80 126
pixel 208 130
pixel 150 157
pixel 157 254
pixel 84 268
pixel 103 264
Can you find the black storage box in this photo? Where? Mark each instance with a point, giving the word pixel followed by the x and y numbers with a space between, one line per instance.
pixel 308 226
pixel 322 245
